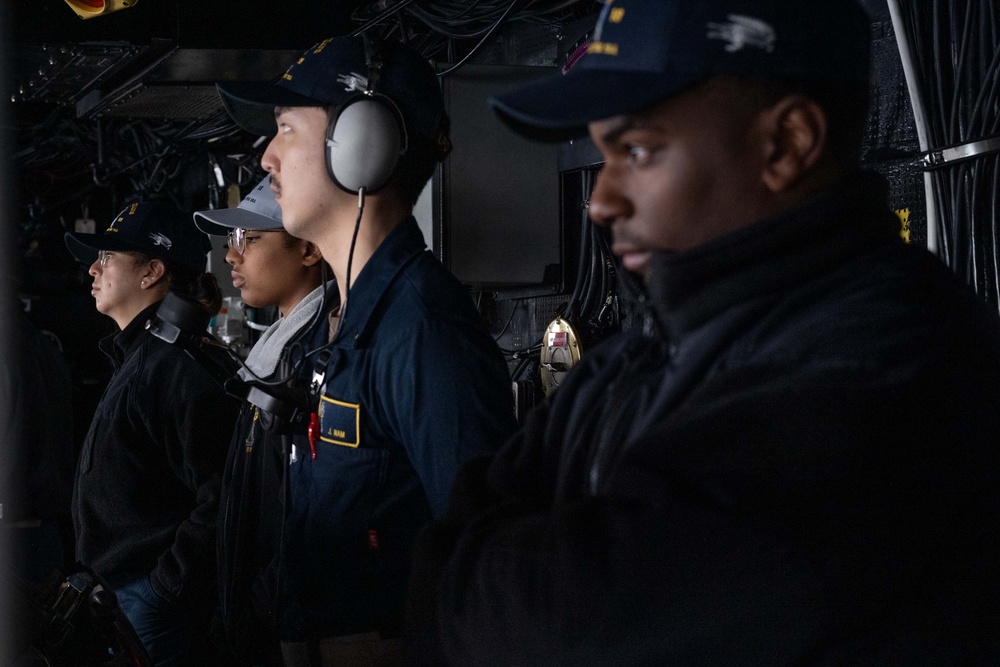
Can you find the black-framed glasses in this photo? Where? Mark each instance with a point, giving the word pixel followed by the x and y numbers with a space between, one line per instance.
pixel 238 238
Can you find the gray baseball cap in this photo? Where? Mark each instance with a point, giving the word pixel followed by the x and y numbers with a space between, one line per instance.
pixel 258 210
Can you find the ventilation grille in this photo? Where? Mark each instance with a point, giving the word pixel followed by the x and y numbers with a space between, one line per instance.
pixel 191 102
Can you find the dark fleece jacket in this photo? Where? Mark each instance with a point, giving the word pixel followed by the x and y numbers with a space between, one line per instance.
pixel 147 482
pixel 798 466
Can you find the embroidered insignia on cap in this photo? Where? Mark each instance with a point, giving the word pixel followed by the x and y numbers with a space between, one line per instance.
pixel 743 31
pixel 608 14
pixel 605 12
pixel 159 239
pixel 353 81
pixel 605 48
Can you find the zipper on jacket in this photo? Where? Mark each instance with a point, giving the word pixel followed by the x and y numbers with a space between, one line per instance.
pixel 237 532
pixel 621 411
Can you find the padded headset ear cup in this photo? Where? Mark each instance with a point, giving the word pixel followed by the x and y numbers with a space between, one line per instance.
pixel 363 144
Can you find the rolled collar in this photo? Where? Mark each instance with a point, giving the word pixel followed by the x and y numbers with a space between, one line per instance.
pixel 687 288
pixel 118 346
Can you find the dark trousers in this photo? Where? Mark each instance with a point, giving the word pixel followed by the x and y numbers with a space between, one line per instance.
pixel 166 629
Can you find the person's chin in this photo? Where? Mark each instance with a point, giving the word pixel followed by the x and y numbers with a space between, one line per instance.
pixel 637 262
pixel 291 224
pixel 298 228
pixel 247 297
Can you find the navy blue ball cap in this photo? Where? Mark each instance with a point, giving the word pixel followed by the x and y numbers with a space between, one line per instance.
pixel 333 70
pixel 151 228
pixel 644 52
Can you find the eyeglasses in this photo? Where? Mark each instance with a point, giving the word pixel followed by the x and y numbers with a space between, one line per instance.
pixel 104 255
pixel 238 238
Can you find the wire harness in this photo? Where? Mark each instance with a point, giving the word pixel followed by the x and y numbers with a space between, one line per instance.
pixel 951 58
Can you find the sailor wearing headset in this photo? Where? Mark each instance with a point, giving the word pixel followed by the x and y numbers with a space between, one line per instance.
pixel 407 380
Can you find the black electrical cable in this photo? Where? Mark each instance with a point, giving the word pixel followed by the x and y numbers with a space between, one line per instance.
pixel 509 320
pixel 458 14
pixel 350 261
pixel 967 211
pixel 955 121
pixel 522 365
pixel 604 286
pixel 608 279
pixel 956 52
pixel 593 275
pixel 938 76
pixel 517 354
pixel 347 287
pixel 486 37
pixel 382 16
pixel 432 25
pixel 994 202
pixel 404 36
pixel 572 311
pixel 601 293
pixel 981 105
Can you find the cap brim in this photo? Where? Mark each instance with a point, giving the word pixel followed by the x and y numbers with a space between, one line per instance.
pixel 218 222
pixel 560 107
pixel 251 103
pixel 84 247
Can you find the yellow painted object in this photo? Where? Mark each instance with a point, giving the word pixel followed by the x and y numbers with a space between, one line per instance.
pixel 88 9
pixel 904 220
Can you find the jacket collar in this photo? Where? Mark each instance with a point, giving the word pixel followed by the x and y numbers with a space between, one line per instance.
pixel 120 345
pixel 686 289
pixel 403 244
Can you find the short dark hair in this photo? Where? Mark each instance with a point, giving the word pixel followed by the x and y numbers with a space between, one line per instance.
pixel 198 285
pixel 845 104
pixel 417 165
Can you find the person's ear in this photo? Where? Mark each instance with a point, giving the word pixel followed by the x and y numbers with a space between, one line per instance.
pixel 796 128
pixel 311 254
pixel 155 272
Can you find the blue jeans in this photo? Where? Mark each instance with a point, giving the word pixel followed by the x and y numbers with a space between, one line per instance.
pixel 164 627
